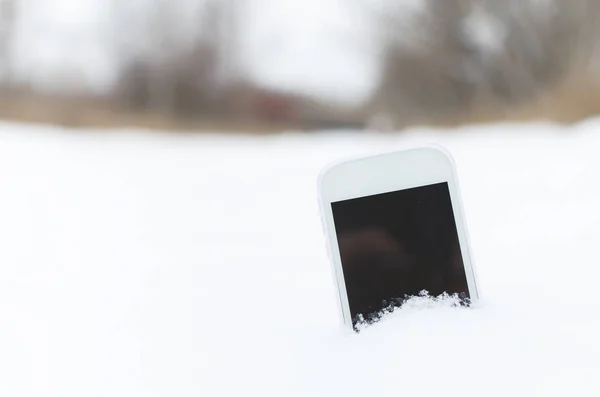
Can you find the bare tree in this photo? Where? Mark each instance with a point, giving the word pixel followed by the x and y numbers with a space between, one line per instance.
pixel 495 53
pixel 180 72
pixel 428 80
pixel 7 21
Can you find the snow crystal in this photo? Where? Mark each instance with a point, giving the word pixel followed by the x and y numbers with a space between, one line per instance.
pixel 419 302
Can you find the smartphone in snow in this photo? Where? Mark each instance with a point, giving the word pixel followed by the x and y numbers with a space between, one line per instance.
pixel 394 227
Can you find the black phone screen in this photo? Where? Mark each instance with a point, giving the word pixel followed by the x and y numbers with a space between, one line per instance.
pixel 397 244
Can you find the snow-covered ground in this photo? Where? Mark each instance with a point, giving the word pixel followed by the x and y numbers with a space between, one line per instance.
pixel 139 264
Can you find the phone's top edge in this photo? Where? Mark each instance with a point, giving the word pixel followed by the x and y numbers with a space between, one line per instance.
pixel 405 148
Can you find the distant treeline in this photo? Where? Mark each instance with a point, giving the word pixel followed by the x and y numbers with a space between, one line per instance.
pixel 461 59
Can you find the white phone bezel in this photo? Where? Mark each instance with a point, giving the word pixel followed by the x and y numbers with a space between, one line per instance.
pixel 388 172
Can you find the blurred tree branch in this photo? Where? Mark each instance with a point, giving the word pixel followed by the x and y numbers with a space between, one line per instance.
pixel 478 53
pixel 7 22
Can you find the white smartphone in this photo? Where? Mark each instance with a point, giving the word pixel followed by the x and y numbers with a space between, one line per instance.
pixel 394 226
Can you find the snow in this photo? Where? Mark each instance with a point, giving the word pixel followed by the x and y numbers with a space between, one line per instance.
pixel 147 264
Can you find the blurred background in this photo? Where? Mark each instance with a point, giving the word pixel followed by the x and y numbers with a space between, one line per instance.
pixel 260 65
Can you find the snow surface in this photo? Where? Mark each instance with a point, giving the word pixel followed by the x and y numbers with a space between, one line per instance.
pixel 143 264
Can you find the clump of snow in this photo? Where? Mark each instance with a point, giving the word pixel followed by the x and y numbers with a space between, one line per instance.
pixel 426 301
pixel 421 301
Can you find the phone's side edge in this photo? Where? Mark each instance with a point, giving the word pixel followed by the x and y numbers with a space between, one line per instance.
pixel 335 268
pixel 466 234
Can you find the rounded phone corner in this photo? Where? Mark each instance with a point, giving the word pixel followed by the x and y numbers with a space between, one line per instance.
pixel 326 171
pixel 323 173
pixel 442 150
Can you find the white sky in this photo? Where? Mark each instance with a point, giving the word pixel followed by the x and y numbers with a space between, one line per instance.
pixel 311 47
pixel 60 42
